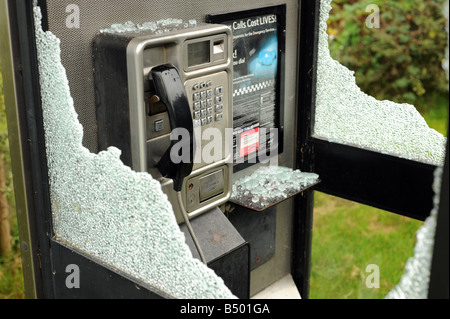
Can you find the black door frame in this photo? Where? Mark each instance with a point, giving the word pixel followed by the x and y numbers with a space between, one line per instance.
pixel 395 184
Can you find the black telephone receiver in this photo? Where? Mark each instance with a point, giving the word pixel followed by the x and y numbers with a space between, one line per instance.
pixel 170 89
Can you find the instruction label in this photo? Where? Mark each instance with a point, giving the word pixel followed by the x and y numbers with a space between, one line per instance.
pixel 255 66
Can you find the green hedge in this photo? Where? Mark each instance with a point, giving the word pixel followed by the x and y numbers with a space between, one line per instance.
pixel 402 59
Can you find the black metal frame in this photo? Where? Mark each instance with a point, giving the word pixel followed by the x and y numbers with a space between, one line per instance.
pixel 32 139
pixel 439 278
pixel 304 203
pixel 391 183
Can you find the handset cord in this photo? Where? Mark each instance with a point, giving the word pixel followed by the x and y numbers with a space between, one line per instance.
pixel 191 231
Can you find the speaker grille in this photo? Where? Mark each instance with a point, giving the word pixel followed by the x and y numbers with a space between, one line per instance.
pixel 76 43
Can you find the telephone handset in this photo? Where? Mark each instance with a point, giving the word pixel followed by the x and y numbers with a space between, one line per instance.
pixel 170 90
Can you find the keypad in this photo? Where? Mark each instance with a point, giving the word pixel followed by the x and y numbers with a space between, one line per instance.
pixel 207 103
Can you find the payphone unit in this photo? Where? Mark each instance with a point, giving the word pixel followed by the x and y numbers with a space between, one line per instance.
pixel 156 96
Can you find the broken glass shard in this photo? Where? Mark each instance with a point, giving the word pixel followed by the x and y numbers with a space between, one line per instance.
pixel 269 185
pixel 344 114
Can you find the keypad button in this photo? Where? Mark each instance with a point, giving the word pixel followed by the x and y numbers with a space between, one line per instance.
pixel 219 116
pixel 207 104
pixel 159 125
pixel 219 90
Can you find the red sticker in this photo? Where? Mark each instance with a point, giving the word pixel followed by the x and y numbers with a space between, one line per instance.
pixel 249 142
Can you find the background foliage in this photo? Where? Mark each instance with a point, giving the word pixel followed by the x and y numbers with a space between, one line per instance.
pixel 401 60
pixel 11 278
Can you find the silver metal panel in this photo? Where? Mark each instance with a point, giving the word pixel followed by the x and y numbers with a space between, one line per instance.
pixel 176 43
pixel 218 71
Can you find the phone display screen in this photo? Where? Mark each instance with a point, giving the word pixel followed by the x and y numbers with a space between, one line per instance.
pixel 198 53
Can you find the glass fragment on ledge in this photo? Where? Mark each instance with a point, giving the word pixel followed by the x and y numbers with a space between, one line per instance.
pixel 270 185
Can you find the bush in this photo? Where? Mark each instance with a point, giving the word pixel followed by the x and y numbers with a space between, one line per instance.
pixel 402 59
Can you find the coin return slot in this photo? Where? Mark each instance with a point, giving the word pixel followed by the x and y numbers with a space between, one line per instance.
pixel 218 50
pixel 218 46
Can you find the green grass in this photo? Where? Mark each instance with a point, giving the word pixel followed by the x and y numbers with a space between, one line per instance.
pixel 434 108
pixel 347 237
pixel 11 277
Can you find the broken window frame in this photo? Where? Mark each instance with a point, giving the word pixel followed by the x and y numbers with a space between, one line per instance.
pixel 398 185
pixel 388 182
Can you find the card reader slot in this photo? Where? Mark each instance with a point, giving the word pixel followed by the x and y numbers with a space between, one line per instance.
pixel 211 185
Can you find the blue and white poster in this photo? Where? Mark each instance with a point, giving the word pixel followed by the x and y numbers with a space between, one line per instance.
pixel 255 67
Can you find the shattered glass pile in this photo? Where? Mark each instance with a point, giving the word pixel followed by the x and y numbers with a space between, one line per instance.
pixel 102 207
pixel 158 27
pixel 269 185
pixel 344 114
